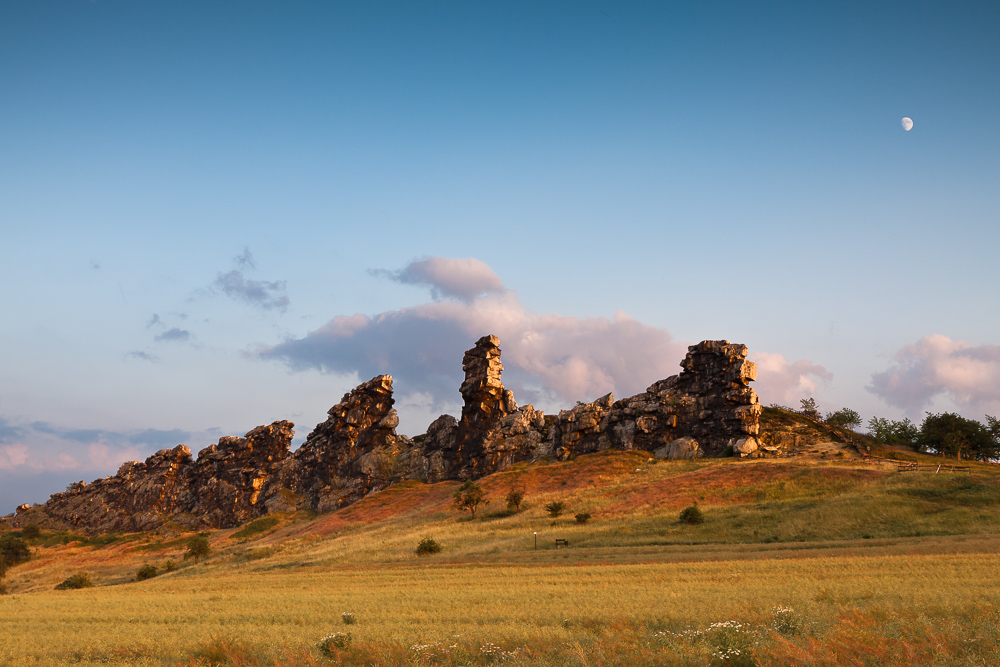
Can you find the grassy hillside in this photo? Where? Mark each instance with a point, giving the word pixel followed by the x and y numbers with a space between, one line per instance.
pixel 821 561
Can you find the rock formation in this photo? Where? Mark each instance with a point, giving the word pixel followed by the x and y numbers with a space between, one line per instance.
pixel 353 453
pixel 493 432
pixel 222 488
pixel 706 409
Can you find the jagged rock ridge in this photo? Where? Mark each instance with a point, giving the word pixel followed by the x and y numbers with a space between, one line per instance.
pixel 705 409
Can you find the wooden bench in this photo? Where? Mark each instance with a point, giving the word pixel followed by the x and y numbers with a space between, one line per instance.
pixel 561 542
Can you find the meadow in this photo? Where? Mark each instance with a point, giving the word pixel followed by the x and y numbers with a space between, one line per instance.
pixel 797 563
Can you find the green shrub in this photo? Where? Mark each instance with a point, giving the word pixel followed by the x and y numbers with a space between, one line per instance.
pixel 147 571
pixel 348 618
pixel 198 546
pixel 692 515
pixel 555 508
pixel 583 517
pixel 728 451
pixel 169 566
pixel 338 640
pixel 79 580
pixel 428 546
pixel 31 531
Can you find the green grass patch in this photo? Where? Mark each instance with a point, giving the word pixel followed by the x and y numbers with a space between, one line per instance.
pixel 256 528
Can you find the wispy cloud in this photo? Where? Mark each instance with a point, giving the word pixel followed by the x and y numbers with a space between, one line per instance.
pixel 263 294
pixel 267 295
pixel 938 366
pixel 141 354
pixel 173 335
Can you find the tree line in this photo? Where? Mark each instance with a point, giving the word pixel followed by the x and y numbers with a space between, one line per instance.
pixel 945 433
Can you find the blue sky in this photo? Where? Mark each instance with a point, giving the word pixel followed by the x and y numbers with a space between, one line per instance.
pixel 192 194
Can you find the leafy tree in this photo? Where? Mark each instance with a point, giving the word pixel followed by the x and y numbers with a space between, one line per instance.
pixel 31 531
pixel 13 550
pixel 809 408
pixel 887 432
pixel 470 496
pixel 514 499
pixel 844 418
pixel 555 508
pixel 198 547
pixel 951 434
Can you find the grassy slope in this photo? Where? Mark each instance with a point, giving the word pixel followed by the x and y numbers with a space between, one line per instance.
pixel 852 548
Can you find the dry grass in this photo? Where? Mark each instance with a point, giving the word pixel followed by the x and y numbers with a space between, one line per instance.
pixel 818 564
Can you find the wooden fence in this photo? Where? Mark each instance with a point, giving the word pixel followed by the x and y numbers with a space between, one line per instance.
pixel 913 466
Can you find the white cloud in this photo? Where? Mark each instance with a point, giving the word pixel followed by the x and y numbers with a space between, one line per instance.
pixel 556 356
pixel 937 366
pixel 786 383
pixel 453 278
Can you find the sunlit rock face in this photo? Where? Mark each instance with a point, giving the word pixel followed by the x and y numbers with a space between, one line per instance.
pixel 351 454
pixel 222 488
pixel 705 410
pixel 709 405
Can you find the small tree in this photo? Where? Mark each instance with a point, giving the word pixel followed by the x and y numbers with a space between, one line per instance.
pixel 692 515
pixel 198 546
pixel 583 517
pixel 470 496
pixel 555 508
pixel 844 418
pixel 809 408
pixel 31 531
pixel 514 499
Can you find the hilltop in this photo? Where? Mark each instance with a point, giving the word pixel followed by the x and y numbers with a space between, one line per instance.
pixel 824 497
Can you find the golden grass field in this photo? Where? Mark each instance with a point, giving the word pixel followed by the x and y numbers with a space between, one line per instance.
pixel 797 563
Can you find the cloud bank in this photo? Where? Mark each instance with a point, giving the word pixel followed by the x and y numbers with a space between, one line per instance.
pixel 786 383
pixel 40 446
pixel 937 366
pixel 547 357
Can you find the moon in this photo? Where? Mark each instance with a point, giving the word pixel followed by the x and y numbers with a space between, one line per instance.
pixel 907 123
